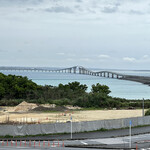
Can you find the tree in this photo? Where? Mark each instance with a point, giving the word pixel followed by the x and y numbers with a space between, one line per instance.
pixel 2 91
pixel 77 89
pixel 98 88
pixel 15 87
pixel 76 86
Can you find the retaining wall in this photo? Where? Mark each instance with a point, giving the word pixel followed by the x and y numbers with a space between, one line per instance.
pixel 33 129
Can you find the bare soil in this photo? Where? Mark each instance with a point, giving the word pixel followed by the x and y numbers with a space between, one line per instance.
pixel 32 113
pixel 77 116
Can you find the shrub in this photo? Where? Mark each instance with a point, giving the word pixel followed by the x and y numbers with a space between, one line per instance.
pixel 147 113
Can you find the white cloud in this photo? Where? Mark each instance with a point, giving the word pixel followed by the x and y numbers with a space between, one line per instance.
pixel 139 60
pixel 85 59
pixel 104 56
pixel 129 59
pixel 60 53
pixel 145 56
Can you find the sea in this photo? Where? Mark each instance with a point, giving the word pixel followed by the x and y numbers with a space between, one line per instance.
pixel 119 88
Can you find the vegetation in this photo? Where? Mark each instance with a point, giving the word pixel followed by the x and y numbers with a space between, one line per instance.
pixel 15 89
pixel 147 113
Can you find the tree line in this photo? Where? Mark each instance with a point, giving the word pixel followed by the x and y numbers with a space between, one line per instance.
pixel 15 89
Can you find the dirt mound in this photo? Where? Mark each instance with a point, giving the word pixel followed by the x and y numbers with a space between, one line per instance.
pixel 24 107
pixel 72 107
pixel 48 105
pixel 57 108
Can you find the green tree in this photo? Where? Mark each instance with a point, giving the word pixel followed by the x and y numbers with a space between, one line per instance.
pixel 2 91
pixel 98 88
pixel 147 113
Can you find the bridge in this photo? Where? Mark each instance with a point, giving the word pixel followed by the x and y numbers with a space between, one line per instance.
pixel 83 71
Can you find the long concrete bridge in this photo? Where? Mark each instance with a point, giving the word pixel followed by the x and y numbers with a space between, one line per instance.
pixel 83 71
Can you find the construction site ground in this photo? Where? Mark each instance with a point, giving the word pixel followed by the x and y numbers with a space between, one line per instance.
pixel 31 113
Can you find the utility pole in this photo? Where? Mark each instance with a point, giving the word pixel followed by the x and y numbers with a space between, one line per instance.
pixel 130 124
pixel 71 126
pixel 143 108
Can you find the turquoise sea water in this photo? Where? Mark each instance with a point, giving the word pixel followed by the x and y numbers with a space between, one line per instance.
pixel 119 88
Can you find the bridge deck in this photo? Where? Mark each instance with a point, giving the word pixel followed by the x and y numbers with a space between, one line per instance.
pixel 84 71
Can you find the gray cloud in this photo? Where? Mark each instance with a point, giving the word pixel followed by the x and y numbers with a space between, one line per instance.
pixel 29 9
pixel 79 1
pixel 59 9
pixel 110 9
pixel 19 2
pixel 136 12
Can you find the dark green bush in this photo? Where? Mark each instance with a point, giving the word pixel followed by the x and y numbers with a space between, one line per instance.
pixel 147 113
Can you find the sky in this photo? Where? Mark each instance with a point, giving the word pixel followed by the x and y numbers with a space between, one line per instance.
pixel 112 34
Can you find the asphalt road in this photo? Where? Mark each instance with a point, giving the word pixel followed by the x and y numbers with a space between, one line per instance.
pixel 141 142
pixel 138 141
pixel 36 145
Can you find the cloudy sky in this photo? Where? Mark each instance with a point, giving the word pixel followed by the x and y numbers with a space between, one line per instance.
pixel 62 33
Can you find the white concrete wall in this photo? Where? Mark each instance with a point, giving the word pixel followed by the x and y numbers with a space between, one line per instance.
pixel 33 129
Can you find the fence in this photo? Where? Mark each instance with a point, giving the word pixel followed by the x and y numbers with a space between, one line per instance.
pixel 34 118
pixel 32 144
pixel 33 129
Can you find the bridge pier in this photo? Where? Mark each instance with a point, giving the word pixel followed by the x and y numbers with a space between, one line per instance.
pixel 93 73
pixel 79 71
pixel 108 74
pixel 69 70
pixel 74 69
pixel 104 74
pixel 112 75
pixel 86 72
pixel 83 71
pixel 97 74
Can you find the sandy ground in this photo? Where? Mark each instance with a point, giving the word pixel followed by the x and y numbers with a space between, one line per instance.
pixel 64 117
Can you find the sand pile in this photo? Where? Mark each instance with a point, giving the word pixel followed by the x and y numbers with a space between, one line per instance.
pixel 24 107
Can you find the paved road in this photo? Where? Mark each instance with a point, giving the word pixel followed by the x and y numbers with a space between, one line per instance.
pixel 139 141
pixel 36 145
pixel 108 139
pixel 142 142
